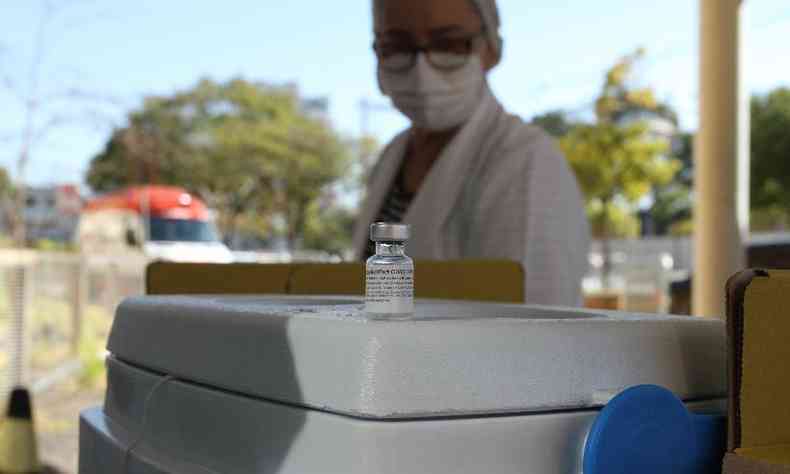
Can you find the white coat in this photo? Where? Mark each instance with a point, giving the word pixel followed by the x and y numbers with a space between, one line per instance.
pixel 500 190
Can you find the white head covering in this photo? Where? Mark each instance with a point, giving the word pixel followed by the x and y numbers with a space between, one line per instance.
pixel 489 12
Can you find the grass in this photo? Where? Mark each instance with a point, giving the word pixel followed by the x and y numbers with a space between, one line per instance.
pixel 53 333
pixel 50 333
pixel 96 329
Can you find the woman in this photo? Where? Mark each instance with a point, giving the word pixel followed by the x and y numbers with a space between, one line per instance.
pixel 472 180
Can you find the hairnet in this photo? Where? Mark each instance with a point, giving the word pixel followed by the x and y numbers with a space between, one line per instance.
pixel 489 13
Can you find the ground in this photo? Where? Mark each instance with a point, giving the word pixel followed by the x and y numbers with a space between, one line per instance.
pixel 58 405
pixel 57 421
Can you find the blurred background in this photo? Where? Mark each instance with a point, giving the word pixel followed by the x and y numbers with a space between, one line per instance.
pixel 244 132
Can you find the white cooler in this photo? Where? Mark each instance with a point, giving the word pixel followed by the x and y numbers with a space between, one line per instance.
pixel 311 386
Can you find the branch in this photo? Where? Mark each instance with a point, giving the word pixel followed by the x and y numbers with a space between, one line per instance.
pixel 69 27
pixel 53 122
pixel 7 83
pixel 100 120
pixel 76 94
pixel 7 137
pixel 39 48
pixel 81 21
pixel 93 117
pixel 44 46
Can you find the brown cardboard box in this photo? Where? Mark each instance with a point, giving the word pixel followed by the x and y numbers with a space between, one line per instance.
pixel 758 322
pixel 477 280
pixel 738 464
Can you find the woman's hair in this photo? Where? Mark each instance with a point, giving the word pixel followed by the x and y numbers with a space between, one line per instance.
pixel 489 13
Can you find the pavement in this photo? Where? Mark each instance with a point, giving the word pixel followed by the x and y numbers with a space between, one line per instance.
pixel 56 417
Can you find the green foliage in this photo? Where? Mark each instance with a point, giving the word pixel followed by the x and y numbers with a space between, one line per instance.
pixel 617 97
pixel 613 221
pixel 672 205
pixel 770 218
pixel 617 162
pixel 770 186
pixel 95 330
pixel 47 245
pixel 621 97
pixel 682 228
pixel 684 152
pixel 555 123
pixel 246 148
pixel 367 148
pixel 332 233
pixel 616 166
pixel 673 208
pixel 7 205
pixel 6 187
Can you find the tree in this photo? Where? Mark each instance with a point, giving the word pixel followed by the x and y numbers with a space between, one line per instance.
pixel 48 99
pixel 247 148
pixel 619 159
pixel 620 97
pixel 770 156
pixel 672 209
pixel 616 166
pixel 612 221
pixel 555 123
pixel 6 187
pixel 329 229
pixel 623 103
pixel 7 194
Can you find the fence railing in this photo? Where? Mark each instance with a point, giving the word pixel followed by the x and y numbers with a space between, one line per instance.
pixel 56 310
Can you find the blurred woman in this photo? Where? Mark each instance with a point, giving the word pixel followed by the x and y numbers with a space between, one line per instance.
pixel 473 181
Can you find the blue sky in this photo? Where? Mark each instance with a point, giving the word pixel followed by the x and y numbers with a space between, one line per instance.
pixel 556 53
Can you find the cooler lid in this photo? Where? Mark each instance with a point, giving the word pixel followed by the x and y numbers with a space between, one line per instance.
pixel 451 358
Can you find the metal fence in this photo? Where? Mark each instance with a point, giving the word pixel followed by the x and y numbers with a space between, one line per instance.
pixel 56 310
pixel 680 249
pixel 641 271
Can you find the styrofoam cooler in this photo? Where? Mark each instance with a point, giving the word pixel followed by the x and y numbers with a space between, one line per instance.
pixel 310 385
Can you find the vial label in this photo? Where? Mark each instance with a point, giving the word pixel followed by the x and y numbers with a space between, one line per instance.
pixel 389 289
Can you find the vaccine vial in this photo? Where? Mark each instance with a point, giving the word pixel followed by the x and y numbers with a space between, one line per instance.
pixel 389 286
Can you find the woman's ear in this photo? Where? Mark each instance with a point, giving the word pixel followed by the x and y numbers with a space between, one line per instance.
pixel 490 58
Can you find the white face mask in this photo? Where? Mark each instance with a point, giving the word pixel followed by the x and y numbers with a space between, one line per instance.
pixel 433 99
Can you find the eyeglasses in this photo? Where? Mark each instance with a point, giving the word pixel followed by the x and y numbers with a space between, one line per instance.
pixel 445 54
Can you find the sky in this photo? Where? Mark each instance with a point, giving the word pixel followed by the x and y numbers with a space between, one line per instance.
pixel 119 52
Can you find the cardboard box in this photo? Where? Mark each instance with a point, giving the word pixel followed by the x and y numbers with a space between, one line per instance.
pixel 758 329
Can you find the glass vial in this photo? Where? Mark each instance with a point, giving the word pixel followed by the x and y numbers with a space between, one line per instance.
pixel 389 286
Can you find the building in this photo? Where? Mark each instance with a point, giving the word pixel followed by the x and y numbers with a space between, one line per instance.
pixel 52 213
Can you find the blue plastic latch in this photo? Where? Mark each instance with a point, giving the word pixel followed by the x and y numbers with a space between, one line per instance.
pixel 648 430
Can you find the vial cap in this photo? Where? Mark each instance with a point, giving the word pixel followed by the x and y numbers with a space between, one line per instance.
pixel 384 232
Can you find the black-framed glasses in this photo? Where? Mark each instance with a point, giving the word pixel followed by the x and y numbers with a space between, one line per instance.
pixel 446 54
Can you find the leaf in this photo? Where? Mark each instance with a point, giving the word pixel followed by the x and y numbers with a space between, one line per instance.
pixel 241 145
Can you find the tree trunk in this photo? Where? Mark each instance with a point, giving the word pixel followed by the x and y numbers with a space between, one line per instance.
pixel 606 249
pixel 18 227
pixel 230 228
pixel 290 227
pixel 297 218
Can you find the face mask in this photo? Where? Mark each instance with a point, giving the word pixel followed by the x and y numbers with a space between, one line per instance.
pixel 433 99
